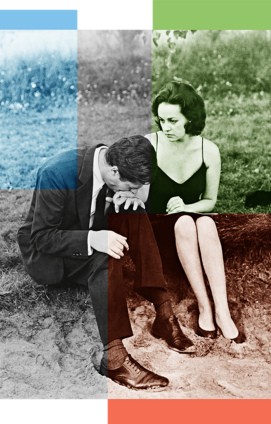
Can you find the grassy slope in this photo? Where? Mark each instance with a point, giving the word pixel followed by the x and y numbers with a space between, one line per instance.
pixel 28 139
pixel 103 123
pixel 243 140
pixel 45 134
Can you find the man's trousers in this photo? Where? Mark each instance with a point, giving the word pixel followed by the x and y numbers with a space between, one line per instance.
pixel 104 278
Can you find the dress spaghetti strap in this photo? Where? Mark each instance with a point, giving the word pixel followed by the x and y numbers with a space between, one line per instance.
pixel 202 149
pixel 156 144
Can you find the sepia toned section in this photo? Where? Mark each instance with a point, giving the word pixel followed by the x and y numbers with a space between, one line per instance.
pixel 219 368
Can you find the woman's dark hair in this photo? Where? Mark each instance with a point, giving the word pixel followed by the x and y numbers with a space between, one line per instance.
pixel 191 105
pixel 135 158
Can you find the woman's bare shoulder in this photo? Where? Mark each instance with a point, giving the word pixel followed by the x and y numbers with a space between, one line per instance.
pixel 210 147
pixel 152 138
pixel 210 151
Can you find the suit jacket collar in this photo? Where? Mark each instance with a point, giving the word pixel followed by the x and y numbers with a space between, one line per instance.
pixel 85 184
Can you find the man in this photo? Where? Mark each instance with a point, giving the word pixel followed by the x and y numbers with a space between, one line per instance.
pixel 72 232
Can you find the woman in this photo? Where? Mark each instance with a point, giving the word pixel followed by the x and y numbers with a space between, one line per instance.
pixel 186 186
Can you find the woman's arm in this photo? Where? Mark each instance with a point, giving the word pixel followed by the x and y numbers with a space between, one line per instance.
pixel 209 197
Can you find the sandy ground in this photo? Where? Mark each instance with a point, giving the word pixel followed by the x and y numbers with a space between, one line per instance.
pixel 50 352
pixel 45 355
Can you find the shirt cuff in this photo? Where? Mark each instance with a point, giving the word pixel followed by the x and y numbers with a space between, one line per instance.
pixel 90 249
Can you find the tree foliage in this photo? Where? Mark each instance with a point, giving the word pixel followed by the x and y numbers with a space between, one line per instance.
pixel 172 36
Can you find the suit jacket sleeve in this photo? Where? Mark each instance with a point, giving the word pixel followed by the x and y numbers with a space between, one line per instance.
pixel 47 236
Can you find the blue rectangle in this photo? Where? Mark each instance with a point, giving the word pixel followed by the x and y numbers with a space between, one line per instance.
pixel 38 19
pixel 38 104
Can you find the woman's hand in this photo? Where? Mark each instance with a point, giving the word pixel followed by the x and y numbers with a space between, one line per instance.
pixel 128 198
pixel 176 204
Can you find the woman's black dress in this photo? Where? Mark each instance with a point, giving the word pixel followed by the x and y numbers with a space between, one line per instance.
pixel 162 189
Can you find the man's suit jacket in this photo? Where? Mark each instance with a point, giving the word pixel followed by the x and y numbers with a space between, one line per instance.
pixel 58 220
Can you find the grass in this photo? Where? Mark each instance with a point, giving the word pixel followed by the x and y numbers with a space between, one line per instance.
pixel 241 129
pixel 107 123
pixel 231 72
pixel 239 125
pixel 234 62
pixel 245 240
pixel 243 139
pixel 29 138
pixel 17 290
pixel 38 81
pixel 38 112
pixel 115 79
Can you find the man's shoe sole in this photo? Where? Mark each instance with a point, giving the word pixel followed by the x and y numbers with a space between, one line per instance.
pixel 150 390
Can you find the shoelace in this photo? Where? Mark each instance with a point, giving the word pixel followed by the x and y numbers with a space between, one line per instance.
pixel 132 365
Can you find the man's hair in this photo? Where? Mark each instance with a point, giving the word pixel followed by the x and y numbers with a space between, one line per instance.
pixel 191 105
pixel 135 158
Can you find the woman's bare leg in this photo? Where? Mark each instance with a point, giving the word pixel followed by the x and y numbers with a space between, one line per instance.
pixel 188 252
pixel 212 259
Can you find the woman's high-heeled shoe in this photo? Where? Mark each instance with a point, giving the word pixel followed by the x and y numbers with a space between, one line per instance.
pixel 240 338
pixel 209 334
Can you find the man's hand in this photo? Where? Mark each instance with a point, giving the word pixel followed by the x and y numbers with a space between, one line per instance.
pixel 127 197
pixel 109 242
pixel 176 204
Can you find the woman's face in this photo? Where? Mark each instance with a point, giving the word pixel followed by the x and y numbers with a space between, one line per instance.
pixel 172 121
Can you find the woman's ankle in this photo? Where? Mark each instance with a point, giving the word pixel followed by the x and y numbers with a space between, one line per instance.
pixel 222 314
pixel 205 309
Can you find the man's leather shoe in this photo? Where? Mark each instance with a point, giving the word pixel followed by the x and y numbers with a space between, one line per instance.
pixel 169 330
pixel 132 375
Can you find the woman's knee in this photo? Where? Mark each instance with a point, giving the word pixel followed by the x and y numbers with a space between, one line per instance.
pixel 185 227
pixel 206 228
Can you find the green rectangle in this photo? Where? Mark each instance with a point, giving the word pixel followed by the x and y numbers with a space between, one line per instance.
pixel 211 14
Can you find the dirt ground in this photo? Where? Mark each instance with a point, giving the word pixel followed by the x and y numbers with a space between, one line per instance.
pixel 51 352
